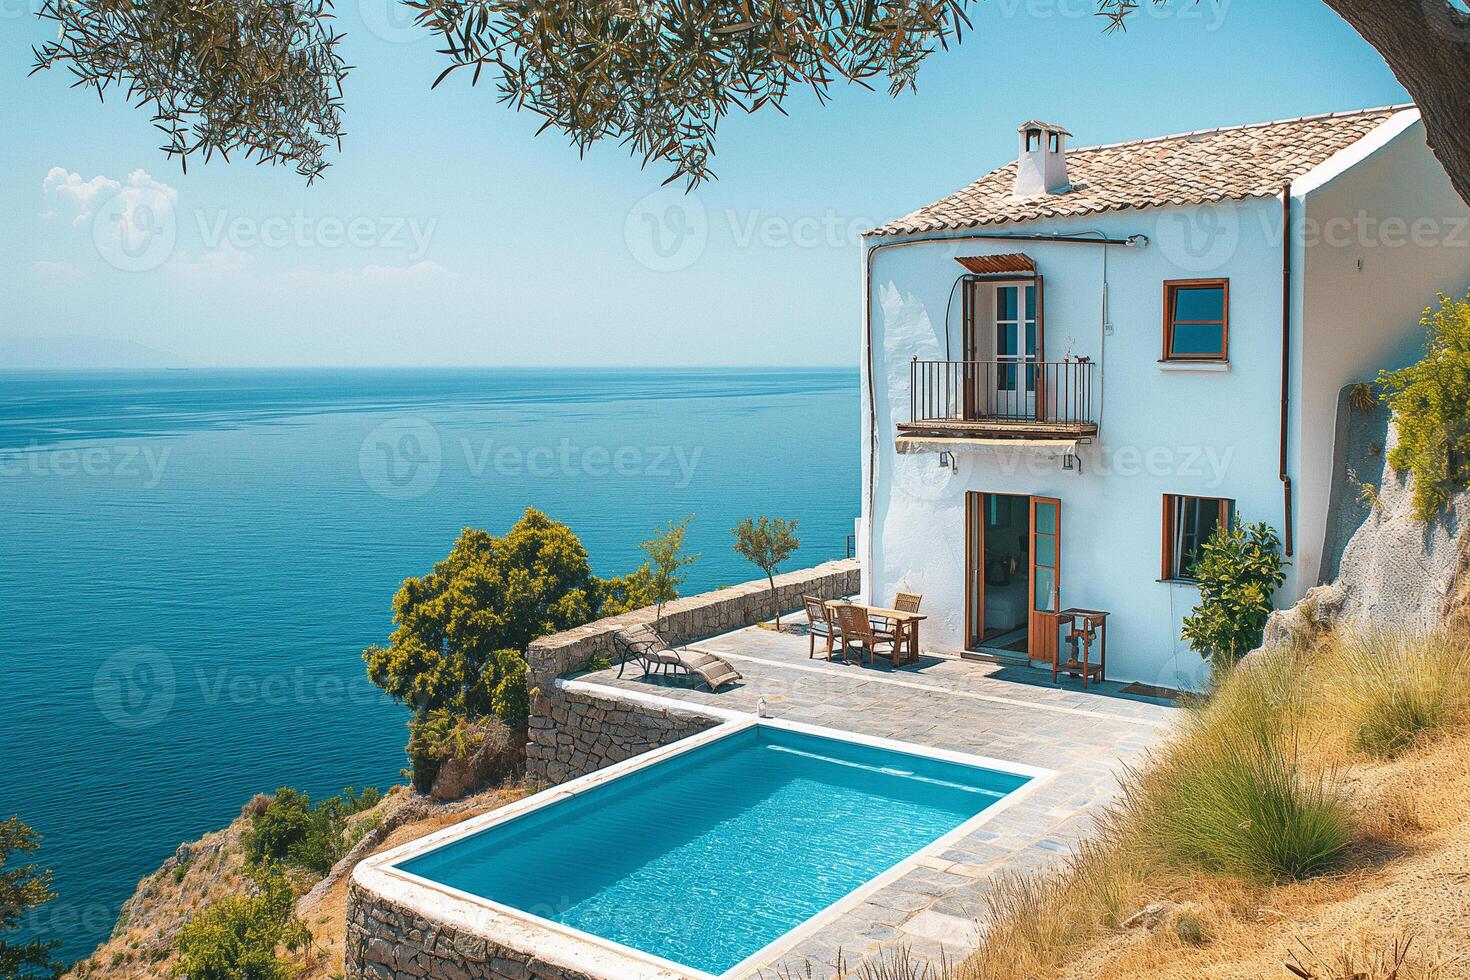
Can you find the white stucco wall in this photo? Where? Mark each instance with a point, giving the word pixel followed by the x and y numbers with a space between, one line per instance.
pixel 1196 432
pixel 1388 204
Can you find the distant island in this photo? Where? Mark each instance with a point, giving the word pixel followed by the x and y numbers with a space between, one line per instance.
pixel 84 352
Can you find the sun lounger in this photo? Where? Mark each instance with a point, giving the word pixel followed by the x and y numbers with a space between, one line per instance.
pixel 643 644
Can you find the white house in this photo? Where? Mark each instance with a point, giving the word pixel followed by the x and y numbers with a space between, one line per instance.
pixel 1075 367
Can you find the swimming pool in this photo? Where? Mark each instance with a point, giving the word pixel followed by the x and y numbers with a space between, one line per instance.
pixel 706 857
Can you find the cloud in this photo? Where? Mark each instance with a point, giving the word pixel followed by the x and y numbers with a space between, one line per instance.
pixel 218 263
pixel 81 197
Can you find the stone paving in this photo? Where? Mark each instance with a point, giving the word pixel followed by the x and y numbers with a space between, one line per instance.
pixel 1004 712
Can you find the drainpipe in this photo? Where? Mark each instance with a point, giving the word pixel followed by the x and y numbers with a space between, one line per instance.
pixel 870 494
pixel 1287 535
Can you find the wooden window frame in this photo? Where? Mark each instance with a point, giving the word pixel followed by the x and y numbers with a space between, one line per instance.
pixel 1172 501
pixel 1171 292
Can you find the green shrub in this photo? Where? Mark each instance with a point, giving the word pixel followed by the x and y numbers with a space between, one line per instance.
pixel 440 736
pixel 239 938
pixel 1245 808
pixel 1231 795
pixel 1430 402
pixel 1239 569
pixel 293 830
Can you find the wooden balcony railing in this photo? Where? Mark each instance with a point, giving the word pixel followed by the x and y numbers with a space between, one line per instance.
pixel 1002 393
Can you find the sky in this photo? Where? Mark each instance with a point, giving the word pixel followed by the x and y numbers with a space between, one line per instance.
pixel 447 234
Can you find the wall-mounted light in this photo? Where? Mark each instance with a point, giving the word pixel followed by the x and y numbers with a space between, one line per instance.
pixel 1071 458
pixel 950 461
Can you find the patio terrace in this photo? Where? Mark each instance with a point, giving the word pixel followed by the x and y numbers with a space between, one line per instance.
pixel 1007 713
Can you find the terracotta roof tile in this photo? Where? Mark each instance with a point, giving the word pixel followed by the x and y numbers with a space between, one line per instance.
pixel 1188 169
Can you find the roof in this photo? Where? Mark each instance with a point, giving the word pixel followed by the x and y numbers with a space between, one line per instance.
pixel 994 265
pixel 1187 169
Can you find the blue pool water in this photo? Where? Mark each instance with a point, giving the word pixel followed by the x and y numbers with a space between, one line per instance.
pixel 709 856
pixel 191 563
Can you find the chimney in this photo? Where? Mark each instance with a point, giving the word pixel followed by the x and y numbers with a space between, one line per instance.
pixel 1041 167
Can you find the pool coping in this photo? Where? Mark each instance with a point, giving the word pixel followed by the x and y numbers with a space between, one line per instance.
pixel 575 950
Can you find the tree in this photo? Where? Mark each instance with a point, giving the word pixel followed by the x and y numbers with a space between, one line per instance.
pixel 460 630
pixel 238 938
pixel 657 78
pixel 766 544
pixel 1430 402
pixel 1239 569
pixel 666 556
pixel 626 593
pixel 22 888
pixel 263 79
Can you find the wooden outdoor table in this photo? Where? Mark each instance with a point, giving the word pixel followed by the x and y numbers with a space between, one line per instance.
pixel 906 629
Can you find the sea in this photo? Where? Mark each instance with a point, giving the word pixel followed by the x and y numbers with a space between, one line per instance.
pixel 192 562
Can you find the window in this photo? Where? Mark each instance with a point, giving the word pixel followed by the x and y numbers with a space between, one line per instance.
pixel 1197 320
pixel 1188 523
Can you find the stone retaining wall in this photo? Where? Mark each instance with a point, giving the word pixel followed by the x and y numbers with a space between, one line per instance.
pixel 688 619
pixel 572 735
pixel 385 941
pixel 575 733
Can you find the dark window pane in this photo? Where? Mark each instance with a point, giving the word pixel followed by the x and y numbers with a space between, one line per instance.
pixel 1199 303
pixel 1191 339
pixel 1030 302
pixel 1006 303
pixel 1005 341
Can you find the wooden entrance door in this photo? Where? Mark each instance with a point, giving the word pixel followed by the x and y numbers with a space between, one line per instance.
pixel 1046 577
pixel 974 570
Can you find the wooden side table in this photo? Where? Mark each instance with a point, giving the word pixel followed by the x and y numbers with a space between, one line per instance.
pixel 1084 626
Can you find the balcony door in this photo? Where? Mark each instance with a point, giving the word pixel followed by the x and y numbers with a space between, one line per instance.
pixel 1015 350
pixel 1004 342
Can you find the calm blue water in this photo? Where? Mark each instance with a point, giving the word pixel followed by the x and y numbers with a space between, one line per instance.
pixel 708 857
pixel 193 561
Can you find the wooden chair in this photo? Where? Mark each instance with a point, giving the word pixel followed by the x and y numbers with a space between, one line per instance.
pixel 819 623
pixel 904 602
pixel 855 627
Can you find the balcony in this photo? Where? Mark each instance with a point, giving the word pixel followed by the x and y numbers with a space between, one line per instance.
pixel 1001 399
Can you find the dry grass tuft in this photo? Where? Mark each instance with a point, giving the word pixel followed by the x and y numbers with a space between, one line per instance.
pixel 1276 831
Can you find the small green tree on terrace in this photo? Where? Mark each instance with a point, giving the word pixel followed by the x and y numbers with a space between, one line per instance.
pixel 1240 566
pixel 766 543
pixel 22 888
pixel 1430 402
pixel 668 560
